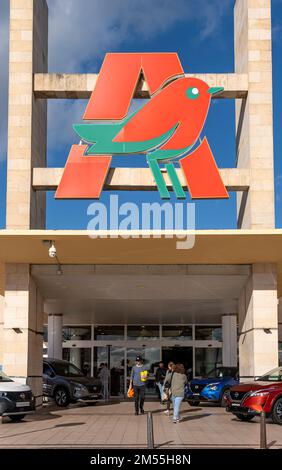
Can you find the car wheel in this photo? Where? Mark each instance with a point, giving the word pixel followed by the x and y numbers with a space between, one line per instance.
pixel 61 397
pixel 222 400
pixel 276 413
pixel 243 417
pixel 193 403
pixel 16 418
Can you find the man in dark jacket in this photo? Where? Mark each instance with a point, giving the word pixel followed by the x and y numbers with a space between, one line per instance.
pixel 160 377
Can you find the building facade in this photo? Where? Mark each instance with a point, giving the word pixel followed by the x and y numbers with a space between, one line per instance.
pixel 217 303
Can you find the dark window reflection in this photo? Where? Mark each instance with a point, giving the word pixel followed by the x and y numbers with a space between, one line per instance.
pixel 143 331
pixel 76 333
pixel 105 333
pixel 177 332
pixel 210 332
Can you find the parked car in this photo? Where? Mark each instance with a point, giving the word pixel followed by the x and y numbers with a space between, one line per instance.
pixel 213 387
pixel 16 400
pixel 246 400
pixel 64 382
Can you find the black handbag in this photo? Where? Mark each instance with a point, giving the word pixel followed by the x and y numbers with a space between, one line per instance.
pixel 167 389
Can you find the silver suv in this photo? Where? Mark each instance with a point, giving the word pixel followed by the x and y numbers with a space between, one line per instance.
pixel 64 382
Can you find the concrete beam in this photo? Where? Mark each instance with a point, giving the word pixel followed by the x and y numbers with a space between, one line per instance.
pixel 137 179
pixel 80 86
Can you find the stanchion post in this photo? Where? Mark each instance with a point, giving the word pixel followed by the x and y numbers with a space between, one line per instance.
pixel 263 444
pixel 150 431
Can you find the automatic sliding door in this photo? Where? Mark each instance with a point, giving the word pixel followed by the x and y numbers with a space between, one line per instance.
pixel 80 357
pixel 117 370
pixel 206 359
pixel 114 357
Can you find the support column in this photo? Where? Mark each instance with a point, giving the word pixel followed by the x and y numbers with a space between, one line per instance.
pixel 254 123
pixel 229 341
pixel 280 330
pixel 55 335
pixel 27 120
pixel 258 323
pixel 23 328
pixel 2 291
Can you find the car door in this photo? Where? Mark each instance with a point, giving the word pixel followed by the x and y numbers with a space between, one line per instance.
pixel 48 379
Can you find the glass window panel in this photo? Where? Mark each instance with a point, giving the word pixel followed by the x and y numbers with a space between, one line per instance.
pixel 45 333
pixel 76 333
pixel 208 332
pixel 207 359
pixel 131 356
pixel 117 370
pixel 80 357
pixel 106 333
pixel 143 332
pixel 100 356
pixel 177 332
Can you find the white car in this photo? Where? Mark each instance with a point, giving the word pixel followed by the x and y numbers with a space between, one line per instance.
pixel 16 400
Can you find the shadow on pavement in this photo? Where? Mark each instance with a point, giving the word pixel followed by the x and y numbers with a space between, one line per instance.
pixel 190 418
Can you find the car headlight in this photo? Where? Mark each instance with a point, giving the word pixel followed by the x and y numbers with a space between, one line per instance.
pixel 259 394
pixel 3 394
pixel 213 387
pixel 80 390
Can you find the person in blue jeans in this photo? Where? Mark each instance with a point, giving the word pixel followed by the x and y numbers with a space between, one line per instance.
pixel 177 385
pixel 139 374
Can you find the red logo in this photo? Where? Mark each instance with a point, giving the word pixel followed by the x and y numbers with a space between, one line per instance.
pixel 166 129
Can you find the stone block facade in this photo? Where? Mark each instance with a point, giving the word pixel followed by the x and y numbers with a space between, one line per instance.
pixel 23 327
pixel 258 322
pixel 254 121
pixel 27 117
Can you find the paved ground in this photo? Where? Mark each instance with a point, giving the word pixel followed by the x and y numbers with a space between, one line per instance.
pixel 114 425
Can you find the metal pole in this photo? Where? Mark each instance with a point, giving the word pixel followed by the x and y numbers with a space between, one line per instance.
pixel 263 444
pixel 150 431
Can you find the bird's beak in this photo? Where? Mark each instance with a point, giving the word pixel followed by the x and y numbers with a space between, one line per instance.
pixel 215 89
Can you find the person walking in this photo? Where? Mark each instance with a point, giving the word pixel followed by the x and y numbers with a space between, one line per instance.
pixel 104 376
pixel 139 374
pixel 160 378
pixel 178 381
pixel 166 388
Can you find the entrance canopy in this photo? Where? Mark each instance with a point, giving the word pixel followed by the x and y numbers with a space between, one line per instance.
pixel 77 247
pixel 141 294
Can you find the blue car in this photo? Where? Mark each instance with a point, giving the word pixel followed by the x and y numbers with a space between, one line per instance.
pixel 212 388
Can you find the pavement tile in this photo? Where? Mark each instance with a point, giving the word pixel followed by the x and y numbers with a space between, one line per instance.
pixel 115 425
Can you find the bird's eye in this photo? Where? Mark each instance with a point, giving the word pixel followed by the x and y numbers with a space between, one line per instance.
pixel 193 93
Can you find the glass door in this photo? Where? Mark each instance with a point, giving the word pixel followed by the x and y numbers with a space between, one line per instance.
pixel 80 357
pixel 207 359
pixel 181 355
pixel 113 356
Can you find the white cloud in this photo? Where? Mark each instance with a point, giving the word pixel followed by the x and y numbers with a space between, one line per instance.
pixel 62 114
pixel 81 31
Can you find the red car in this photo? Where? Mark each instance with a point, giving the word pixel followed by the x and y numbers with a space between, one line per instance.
pixel 246 400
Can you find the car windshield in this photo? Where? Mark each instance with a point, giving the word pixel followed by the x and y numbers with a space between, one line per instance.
pixel 220 372
pixel 67 369
pixel 274 375
pixel 4 377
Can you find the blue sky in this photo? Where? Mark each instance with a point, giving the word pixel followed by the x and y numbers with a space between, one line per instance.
pixel 204 41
